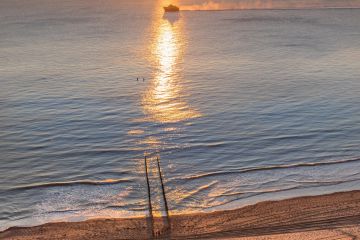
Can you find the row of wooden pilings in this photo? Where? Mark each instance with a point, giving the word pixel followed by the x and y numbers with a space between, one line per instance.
pixel 158 227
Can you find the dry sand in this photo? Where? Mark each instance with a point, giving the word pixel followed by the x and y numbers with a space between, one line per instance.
pixel 333 216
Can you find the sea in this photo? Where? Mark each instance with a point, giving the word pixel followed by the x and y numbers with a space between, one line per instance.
pixel 238 106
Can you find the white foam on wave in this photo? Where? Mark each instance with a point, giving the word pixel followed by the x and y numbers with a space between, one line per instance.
pixel 81 202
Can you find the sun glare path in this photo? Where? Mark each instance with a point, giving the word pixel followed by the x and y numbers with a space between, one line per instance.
pixel 162 102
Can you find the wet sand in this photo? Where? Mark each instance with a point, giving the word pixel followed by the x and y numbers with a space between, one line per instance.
pixel 333 216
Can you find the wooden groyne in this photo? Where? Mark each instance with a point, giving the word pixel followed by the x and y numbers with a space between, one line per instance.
pixel 158 227
pixel 150 218
pixel 162 187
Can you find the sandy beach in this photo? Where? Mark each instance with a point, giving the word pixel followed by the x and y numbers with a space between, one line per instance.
pixel 333 216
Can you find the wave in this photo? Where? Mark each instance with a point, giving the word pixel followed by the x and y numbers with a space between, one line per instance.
pixel 95 152
pixel 314 184
pixel 237 196
pixel 130 207
pixel 64 211
pixel 198 190
pixel 72 183
pixel 267 168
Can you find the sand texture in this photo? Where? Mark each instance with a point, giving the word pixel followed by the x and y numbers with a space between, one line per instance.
pixel 333 216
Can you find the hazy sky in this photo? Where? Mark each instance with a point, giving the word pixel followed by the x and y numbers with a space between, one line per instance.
pixel 221 4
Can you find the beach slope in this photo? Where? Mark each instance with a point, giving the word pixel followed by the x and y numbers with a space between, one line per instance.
pixel 332 216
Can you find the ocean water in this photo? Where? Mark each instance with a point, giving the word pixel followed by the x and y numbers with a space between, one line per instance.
pixel 240 107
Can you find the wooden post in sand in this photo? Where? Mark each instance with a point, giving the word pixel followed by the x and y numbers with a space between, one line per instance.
pixel 155 230
pixel 162 187
pixel 150 219
pixel 168 224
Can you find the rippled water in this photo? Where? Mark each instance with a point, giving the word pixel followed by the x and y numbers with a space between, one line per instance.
pixel 240 106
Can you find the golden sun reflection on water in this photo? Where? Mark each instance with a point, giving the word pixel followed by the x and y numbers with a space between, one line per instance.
pixel 163 100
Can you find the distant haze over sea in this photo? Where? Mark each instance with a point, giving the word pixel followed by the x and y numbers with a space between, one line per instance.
pixel 266 4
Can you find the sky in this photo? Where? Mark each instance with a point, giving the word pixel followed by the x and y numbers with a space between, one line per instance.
pixel 201 4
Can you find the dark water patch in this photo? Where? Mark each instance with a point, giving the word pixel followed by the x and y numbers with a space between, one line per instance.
pixel 74 183
pixel 295 45
pixel 64 211
pixel 274 19
pixel 93 153
pixel 133 207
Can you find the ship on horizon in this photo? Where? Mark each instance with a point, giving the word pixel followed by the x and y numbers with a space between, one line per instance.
pixel 171 8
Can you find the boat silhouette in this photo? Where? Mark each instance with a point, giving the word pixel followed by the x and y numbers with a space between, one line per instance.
pixel 171 8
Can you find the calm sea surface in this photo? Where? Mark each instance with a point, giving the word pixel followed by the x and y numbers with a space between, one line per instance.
pixel 240 107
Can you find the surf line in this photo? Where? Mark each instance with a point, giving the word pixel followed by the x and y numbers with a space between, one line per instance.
pixel 166 229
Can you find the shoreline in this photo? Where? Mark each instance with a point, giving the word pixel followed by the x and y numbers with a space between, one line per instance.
pixel 300 215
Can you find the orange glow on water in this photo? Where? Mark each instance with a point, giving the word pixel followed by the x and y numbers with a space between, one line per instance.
pixel 164 101
pixel 165 98
pixel 214 5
